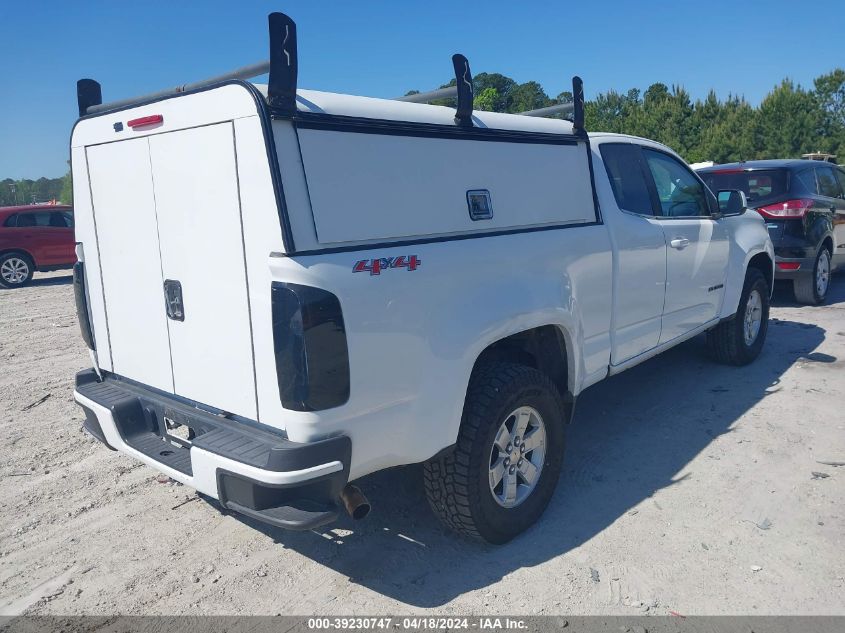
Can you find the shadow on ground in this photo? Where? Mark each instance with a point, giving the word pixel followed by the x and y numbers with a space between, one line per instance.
pixel 36 282
pixel 53 281
pixel 633 435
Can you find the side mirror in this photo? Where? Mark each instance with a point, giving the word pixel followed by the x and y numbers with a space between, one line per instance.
pixel 732 202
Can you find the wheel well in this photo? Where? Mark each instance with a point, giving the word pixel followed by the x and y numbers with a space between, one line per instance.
pixel 828 241
pixel 19 251
pixel 542 348
pixel 763 263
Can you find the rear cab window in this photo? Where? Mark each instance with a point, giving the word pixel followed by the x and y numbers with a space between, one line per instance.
pixel 627 179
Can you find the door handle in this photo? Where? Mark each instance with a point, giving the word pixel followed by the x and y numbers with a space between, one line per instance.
pixel 679 242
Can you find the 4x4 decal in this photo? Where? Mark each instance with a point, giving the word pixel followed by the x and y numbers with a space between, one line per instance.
pixel 376 266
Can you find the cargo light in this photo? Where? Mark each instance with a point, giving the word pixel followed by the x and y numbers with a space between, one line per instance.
pixel 153 119
pixel 790 209
pixel 789 265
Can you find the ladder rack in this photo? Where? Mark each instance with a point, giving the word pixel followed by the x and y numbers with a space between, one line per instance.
pixel 282 68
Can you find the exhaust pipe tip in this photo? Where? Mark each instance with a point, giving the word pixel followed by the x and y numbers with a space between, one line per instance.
pixel 355 503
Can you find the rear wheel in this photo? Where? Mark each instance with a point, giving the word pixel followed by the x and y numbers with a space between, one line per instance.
pixel 16 269
pixel 506 463
pixel 739 340
pixel 812 289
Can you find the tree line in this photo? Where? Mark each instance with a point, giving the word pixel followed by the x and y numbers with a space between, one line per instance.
pixel 790 120
pixel 26 191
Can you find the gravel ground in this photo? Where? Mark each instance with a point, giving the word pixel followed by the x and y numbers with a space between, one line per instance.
pixel 688 487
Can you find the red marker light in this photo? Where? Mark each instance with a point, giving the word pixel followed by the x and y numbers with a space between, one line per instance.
pixel 144 121
pixel 789 265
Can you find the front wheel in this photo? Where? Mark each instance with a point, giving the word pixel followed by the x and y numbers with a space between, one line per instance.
pixel 503 471
pixel 812 289
pixel 15 270
pixel 738 341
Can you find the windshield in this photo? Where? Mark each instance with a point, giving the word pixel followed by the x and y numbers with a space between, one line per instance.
pixel 757 184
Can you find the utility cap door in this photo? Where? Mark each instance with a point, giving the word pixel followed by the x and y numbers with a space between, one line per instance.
pixel 127 235
pixel 203 267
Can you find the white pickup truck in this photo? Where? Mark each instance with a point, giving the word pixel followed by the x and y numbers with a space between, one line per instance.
pixel 285 290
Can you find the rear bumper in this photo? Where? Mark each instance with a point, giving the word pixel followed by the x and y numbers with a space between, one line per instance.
pixel 805 266
pixel 249 468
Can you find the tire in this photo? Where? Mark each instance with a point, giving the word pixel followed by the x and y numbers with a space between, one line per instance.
pixel 16 270
pixel 458 485
pixel 812 289
pixel 728 342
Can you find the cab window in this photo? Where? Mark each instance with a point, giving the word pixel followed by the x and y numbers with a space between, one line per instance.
pixel 681 194
pixel 627 179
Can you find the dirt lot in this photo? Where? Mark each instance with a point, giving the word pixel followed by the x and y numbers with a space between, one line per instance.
pixel 689 487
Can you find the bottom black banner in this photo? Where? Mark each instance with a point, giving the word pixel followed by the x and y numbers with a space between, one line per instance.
pixel 530 624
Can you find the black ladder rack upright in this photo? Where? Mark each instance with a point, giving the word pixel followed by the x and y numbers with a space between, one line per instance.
pixel 281 87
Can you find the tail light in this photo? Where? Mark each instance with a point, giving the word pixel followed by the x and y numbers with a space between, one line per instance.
pixel 789 265
pixel 309 340
pixel 790 209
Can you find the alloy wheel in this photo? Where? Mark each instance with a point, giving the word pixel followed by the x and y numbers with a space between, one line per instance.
pixel 517 457
pixel 753 317
pixel 823 273
pixel 14 270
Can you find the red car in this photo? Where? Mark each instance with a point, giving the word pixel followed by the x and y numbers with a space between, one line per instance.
pixel 34 237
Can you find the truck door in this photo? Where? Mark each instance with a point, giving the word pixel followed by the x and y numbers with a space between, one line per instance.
pixel 639 271
pixel 697 253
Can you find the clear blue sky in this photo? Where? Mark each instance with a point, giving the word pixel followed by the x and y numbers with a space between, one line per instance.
pixel 386 48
